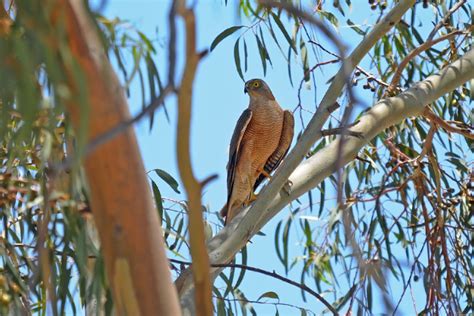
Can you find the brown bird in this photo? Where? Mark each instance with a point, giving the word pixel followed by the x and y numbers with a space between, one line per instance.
pixel 260 141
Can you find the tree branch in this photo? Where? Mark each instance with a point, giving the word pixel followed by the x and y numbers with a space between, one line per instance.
pixel 466 132
pixel 313 131
pixel 234 236
pixel 226 243
pixel 417 51
pixel 312 172
pixel 203 298
pixel 455 7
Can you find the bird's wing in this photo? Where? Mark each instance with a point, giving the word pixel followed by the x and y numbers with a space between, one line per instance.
pixel 283 146
pixel 235 148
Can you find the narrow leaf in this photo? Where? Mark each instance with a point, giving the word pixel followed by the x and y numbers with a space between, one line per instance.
pixel 269 294
pixel 168 179
pixel 262 55
pixel 283 30
pixel 223 35
pixel 237 60
pixel 158 201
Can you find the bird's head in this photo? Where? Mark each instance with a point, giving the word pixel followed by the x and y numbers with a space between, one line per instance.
pixel 257 88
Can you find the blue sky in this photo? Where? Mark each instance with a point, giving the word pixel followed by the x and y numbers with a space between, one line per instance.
pixel 218 101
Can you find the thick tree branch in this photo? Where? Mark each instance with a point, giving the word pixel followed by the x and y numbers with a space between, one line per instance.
pixel 200 267
pixel 226 243
pixel 128 226
pixel 223 247
pixel 313 171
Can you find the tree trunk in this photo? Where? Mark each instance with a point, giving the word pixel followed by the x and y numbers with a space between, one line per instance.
pixel 121 202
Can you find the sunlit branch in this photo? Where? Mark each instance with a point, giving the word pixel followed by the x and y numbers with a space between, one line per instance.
pixel 233 237
pixel 309 174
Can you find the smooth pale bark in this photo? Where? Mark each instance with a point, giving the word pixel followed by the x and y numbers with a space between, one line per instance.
pixel 311 135
pixel 120 197
pixel 313 171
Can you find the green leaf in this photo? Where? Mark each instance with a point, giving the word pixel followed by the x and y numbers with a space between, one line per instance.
pixel 147 42
pixel 277 244
pixel 158 201
pixel 168 179
pixel 322 190
pixel 263 54
pixel 304 60
pixel 269 294
pixel 289 66
pixel 242 271
pixel 355 28
pixel 245 56
pixel 267 56
pixel 223 35
pixel 227 282
pixel 330 17
pixel 343 300
pixel 283 30
pixel 221 308
pixel 237 60
pixel 286 237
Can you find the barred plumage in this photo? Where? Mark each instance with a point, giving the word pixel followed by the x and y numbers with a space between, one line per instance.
pixel 260 141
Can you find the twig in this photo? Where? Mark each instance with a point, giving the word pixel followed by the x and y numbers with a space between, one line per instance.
pixel 425 46
pixel 265 303
pixel 445 19
pixel 271 274
pixel 332 61
pixel 413 267
pixel 172 43
pixel 466 132
pixel 369 75
pixel 309 18
pixel 201 273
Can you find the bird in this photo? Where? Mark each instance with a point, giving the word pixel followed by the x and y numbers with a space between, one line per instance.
pixel 261 139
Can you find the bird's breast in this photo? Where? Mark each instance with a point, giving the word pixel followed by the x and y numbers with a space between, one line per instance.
pixel 263 134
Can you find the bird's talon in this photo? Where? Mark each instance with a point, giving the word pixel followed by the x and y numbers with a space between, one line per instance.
pixel 265 173
pixel 252 198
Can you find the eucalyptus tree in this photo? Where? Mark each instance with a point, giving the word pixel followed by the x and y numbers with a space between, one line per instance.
pixel 380 189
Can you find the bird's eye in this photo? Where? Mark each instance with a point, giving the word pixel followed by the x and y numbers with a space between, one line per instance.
pixel 256 84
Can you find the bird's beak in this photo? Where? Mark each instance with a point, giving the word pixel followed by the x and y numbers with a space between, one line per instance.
pixel 245 89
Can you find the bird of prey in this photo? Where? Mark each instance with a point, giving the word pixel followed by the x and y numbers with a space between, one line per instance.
pixel 260 141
